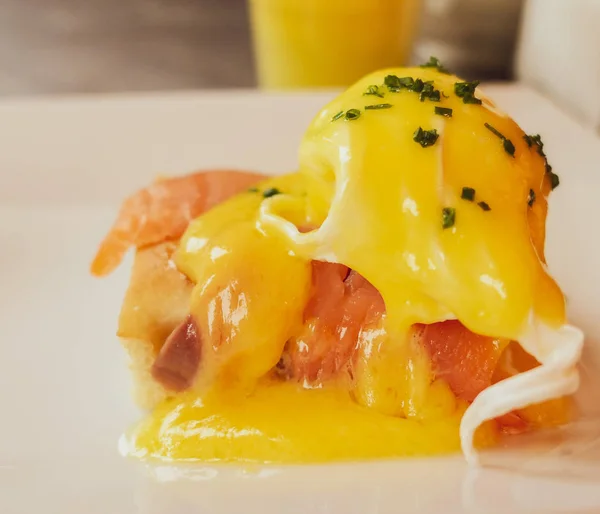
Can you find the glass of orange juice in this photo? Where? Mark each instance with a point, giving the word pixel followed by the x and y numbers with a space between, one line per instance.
pixel 329 43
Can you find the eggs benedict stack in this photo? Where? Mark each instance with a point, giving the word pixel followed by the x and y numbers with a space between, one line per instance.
pixel 388 298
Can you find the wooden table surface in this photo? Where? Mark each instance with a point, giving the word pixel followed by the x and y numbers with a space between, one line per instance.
pixel 66 46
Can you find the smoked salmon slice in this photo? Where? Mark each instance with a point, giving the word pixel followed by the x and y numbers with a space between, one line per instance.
pixel 465 360
pixel 162 211
pixel 342 303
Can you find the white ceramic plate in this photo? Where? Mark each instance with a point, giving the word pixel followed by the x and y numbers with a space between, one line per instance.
pixel 64 388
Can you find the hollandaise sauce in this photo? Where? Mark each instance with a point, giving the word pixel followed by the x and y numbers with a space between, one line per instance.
pixel 425 206
pixel 284 423
pixel 428 202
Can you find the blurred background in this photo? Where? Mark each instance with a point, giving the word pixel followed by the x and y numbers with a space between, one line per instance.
pixel 73 46
pixel 99 46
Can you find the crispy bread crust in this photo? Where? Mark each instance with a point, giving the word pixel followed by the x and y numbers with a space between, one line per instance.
pixel 157 300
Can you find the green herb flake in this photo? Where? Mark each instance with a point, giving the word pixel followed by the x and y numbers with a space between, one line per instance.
pixel 536 140
pixel 484 206
pixel 373 90
pixel 352 114
pixel 429 92
pixel 494 131
pixel 468 193
pixel 425 137
pixel 418 86
pixel 507 144
pixel 531 198
pixel 337 116
pixel 393 83
pixel 378 106
pixel 426 90
pixel 272 191
pixel 554 180
pixel 466 91
pixel 509 148
pixel 462 89
pixel 406 82
pixel 448 217
pixel 253 190
pixel 443 111
pixel 471 100
pixel 434 62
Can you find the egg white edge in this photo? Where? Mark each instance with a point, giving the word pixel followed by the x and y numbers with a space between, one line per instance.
pixel 558 350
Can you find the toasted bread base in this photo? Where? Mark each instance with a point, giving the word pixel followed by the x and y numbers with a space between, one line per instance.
pixel 157 300
pixel 147 393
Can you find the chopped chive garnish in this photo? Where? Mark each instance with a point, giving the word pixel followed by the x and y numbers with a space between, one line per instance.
pixel 374 90
pixel 448 217
pixel 468 193
pixel 462 89
pixel 536 140
pixel 418 86
pixel 509 148
pixel 494 131
pixel 531 197
pixel 253 190
pixel 352 114
pixel 484 206
pixel 393 83
pixel 471 100
pixel 443 111
pixel 426 89
pixel 466 91
pixel 434 62
pixel 507 144
pixel 378 106
pixel 272 191
pixel 425 137
pixel 407 82
pixel 429 92
pixel 554 180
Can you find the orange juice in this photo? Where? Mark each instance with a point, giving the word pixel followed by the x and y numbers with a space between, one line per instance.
pixel 322 43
